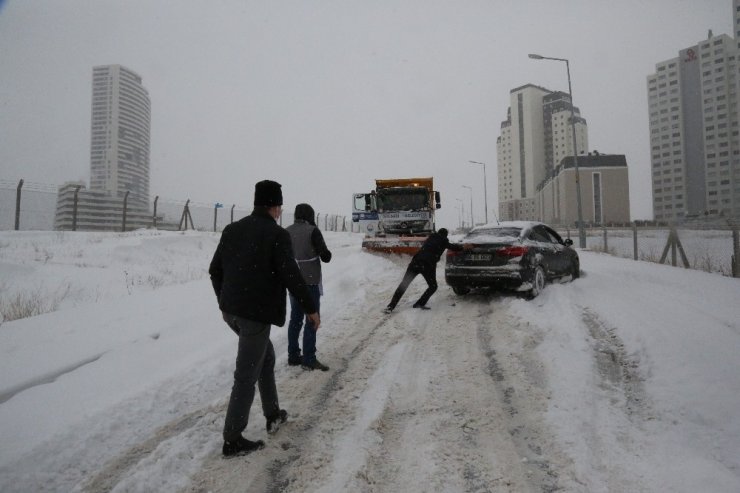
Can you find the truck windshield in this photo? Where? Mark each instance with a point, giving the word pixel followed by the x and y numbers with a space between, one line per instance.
pixel 401 199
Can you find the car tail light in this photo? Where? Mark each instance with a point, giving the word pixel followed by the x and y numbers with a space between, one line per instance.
pixel 452 253
pixel 512 251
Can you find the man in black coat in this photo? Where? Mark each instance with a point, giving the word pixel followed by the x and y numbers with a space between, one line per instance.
pixel 250 271
pixel 425 263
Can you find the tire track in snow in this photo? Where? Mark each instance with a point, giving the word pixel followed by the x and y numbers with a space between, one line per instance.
pixel 517 373
pixel 305 431
pixel 300 450
pixel 111 475
pixel 619 372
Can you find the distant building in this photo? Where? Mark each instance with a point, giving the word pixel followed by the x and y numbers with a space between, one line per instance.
pixel 534 139
pixel 604 191
pixel 695 147
pixel 96 211
pixel 119 152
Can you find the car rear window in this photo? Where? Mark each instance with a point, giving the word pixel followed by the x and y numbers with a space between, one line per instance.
pixel 494 233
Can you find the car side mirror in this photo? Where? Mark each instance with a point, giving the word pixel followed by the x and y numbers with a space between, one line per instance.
pixel 568 242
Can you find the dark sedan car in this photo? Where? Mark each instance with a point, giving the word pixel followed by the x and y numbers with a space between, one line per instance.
pixel 517 255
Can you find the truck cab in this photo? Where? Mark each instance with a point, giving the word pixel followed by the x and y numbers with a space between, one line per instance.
pixel 403 206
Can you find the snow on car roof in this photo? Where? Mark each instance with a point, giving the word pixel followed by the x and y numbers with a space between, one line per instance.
pixel 508 224
pixel 502 231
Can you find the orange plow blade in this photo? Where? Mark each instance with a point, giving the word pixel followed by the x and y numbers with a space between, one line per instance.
pixel 407 245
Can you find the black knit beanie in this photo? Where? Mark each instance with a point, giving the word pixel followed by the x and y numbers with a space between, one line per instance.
pixel 443 232
pixel 268 193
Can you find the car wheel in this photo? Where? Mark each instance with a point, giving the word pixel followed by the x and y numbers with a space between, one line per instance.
pixel 460 290
pixel 538 282
pixel 576 269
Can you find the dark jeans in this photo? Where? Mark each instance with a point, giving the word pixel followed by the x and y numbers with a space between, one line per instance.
pixel 309 333
pixel 414 269
pixel 255 364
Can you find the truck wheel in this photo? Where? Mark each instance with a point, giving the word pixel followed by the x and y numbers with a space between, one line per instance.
pixel 460 290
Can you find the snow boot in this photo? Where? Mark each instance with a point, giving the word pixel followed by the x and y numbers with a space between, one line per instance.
pixel 241 446
pixel 423 307
pixel 316 365
pixel 295 360
pixel 274 422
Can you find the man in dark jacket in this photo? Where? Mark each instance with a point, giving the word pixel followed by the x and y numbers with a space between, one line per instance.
pixel 425 263
pixel 250 271
pixel 310 250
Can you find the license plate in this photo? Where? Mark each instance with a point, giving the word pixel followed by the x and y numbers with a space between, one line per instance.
pixel 479 257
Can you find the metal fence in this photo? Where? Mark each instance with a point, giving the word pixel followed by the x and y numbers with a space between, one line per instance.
pixel 716 251
pixel 32 206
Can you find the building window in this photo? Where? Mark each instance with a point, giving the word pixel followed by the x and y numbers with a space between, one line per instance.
pixel 598 216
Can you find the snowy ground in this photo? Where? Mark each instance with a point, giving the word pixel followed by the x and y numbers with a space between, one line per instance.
pixel 627 379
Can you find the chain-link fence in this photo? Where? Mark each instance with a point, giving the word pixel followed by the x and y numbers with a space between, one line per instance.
pixel 714 251
pixel 37 203
pixel 35 206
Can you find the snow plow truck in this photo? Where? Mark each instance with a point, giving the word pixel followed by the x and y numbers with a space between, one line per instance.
pixel 398 215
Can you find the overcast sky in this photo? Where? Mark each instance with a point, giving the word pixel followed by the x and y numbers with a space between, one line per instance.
pixel 324 96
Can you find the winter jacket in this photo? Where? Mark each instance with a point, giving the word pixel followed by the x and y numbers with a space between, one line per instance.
pixel 252 267
pixel 310 250
pixel 433 248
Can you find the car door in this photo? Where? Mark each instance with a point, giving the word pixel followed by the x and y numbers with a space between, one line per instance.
pixel 561 259
pixel 545 248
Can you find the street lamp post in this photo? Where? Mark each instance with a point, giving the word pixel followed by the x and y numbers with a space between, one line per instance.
pixel 485 187
pixel 462 212
pixel 581 231
pixel 472 223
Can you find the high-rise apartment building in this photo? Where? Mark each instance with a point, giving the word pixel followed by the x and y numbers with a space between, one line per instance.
pixel 694 142
pixel 534 139
pixel 119 150
pixel 118 197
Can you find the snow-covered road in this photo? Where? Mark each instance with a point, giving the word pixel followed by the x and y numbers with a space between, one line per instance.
pixel 624 380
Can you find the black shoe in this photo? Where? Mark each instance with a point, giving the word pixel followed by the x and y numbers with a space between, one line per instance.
pixel 388 309
pixel 297 361
pixel 273 423
pixel 423 307
pixel 241 446
pixel 316 365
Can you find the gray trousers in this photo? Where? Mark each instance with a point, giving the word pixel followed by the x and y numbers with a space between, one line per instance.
pixel 255 364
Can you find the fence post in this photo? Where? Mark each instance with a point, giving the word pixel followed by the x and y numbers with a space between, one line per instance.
pixel 736 252
pixel 154 215
pixel 125 206
pixel 216 207
pixel 18 205
pixel 606 246
pixel 634 238
pixel 232 212
pixel 74 209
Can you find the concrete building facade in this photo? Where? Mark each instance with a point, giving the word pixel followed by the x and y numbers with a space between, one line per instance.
pixel 96 210
pixel 694 142
pixel 119 157
pixel 604 183
pixel 535 137
pixel 120 131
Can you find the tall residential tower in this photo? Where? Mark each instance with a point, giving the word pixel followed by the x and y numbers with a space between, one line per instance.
pixel 534 139
pixel 694 142
pixel 118 197
pixel 119 151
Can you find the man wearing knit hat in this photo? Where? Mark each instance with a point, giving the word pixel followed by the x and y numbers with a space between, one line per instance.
pixel 250 271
